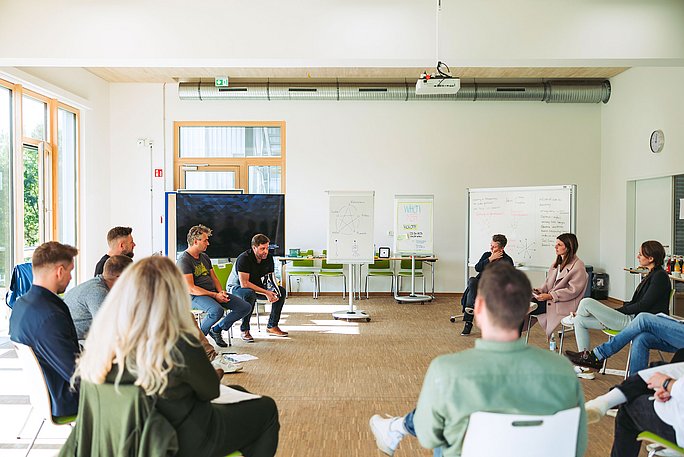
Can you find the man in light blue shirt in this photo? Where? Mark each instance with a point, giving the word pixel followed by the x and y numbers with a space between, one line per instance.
pixel 501 374
pixel 86 299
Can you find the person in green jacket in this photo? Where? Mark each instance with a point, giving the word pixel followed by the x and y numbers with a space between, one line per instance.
pixel 500 374
pixel 144 335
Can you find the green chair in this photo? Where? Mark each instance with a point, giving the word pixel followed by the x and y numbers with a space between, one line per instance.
pixel 382 269
pixel 611 334
pixel 331 270
pixel 405 272
pixel 659 444
pixel 222 272
pixel 303 268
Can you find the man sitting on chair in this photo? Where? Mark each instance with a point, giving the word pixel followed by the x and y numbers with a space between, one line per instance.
pixel 120 242
pixel 501 374
pixel 41 320
pixel 246 281
pixel 495 253
pixel 86 299
pixel 206 290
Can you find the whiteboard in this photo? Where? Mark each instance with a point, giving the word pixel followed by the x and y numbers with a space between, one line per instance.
pixel 413 224
pixel 530 217
pixel 350 227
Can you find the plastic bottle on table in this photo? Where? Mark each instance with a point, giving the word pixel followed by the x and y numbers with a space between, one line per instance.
pixel 552 343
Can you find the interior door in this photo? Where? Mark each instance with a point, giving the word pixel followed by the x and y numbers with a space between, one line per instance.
pixel 653 214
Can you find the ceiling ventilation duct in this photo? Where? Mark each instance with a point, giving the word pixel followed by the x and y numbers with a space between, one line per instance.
pixel 549 92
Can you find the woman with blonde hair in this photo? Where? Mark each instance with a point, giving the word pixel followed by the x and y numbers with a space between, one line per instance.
pixel 144 335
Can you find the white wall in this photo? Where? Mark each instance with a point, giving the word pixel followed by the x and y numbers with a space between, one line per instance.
pixel 390 147
pixel 90 94
pixel 132 164
pixel 643 100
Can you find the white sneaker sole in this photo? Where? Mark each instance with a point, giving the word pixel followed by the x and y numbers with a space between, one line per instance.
pixel 584 373
pixel 378 442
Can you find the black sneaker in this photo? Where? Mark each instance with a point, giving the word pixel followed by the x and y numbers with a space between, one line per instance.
pixel 467 328
pixel 585 359
pixel 218 339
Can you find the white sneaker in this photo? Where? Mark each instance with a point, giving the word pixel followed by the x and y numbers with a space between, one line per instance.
pixel 569 320
pixel 226 365
pixel 584 373
pixel 386 439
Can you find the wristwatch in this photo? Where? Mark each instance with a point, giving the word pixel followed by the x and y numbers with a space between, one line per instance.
pixel 666 383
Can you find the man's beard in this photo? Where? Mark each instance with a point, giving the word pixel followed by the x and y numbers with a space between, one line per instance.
pixel 129 254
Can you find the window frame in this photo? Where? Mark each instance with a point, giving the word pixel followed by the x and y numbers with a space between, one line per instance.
pixel 243 163
pixel 17 168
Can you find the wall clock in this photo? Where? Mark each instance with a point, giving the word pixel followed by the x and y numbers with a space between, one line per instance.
pixel 657 141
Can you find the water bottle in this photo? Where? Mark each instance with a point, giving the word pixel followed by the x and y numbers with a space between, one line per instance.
pixel 552 343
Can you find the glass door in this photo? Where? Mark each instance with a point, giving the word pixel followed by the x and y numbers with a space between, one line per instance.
pixel 37 207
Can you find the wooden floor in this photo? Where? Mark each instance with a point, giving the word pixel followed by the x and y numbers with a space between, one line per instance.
pixel 330 376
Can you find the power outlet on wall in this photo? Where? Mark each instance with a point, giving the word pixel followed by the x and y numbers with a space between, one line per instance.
pixel 146 142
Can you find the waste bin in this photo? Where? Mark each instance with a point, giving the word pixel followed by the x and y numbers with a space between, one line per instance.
pixel 599 286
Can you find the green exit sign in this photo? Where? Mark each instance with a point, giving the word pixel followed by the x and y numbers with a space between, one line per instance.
pixel 221 81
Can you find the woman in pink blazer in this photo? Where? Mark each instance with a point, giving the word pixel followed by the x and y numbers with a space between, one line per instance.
pixel 565 284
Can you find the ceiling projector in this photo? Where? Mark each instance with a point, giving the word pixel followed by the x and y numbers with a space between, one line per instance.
pixel 430 85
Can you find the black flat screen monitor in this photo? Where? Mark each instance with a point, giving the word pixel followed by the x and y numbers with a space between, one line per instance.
pixel 234 219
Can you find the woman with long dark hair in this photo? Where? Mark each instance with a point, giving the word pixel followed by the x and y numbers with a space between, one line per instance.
pixel 651 296
pixel 564 287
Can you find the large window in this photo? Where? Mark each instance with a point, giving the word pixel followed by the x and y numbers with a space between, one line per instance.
pixel 38 174
pixel 67 174
pixel 230 155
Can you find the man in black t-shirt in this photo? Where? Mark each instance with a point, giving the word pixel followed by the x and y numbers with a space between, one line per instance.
pixel 206 290
pixel 247 281
pixel 120 242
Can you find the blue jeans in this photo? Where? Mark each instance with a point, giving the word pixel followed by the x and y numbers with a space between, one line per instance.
pixel 214 310
pixel 408 424
pixel 646 331
pixel 468 300
pixel 250 297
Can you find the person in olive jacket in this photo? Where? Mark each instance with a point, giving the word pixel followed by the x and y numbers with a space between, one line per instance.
pixel 144 335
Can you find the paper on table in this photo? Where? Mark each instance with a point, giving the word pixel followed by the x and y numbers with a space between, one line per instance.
pixel 230 395
pixel 235 358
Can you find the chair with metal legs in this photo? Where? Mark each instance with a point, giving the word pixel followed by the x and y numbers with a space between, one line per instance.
pixel 39 395
pixel 303 268
pixel 382 269
pixel 333 270
pixel 405 272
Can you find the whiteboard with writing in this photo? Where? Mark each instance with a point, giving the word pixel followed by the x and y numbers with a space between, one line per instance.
pixel 530 217
pixel 413 219
pixel 350 227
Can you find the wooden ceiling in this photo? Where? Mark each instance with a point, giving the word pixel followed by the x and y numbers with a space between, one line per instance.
pixel 172 75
